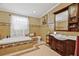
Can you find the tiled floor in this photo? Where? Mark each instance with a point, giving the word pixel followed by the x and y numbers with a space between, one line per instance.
pixel 42 51
pixel 37 50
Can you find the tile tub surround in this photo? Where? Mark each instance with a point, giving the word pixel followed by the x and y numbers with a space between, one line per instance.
pixel 16 48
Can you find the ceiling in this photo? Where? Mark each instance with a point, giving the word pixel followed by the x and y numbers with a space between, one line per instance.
pixel 28 9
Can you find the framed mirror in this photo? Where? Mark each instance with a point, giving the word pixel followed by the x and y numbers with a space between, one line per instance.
pixel 61 20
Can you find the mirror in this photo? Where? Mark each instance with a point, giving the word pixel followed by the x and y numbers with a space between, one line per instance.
pixel 61 20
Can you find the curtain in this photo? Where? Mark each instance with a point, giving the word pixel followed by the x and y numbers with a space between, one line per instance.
pixel 19 26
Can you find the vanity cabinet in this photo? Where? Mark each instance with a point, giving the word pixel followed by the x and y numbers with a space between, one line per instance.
pixel 63 47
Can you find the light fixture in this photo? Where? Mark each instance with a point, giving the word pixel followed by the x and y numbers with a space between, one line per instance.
pixel 34 11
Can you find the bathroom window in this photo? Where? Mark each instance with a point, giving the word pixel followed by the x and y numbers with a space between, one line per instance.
pixel 19 26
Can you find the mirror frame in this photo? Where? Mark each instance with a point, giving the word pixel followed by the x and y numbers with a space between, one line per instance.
pixel 57 12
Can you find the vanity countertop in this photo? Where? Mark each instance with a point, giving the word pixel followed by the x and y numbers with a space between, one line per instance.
pixel 63 37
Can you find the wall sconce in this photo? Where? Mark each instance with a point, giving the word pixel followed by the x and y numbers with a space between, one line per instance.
pixel 45 19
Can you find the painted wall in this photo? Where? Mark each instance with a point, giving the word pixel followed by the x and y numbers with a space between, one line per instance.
pixel 34 25
pixel 4 29
pixel 44 31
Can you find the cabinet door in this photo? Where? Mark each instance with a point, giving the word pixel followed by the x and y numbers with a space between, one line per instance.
pixel 70 47
pixel 61 47
pixel 53 44
pixel 67 48
pixel 50 41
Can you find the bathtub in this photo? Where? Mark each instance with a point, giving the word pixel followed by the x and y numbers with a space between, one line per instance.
pixel 14 40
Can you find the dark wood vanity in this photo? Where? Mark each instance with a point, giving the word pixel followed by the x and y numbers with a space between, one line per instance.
pixel 63 47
